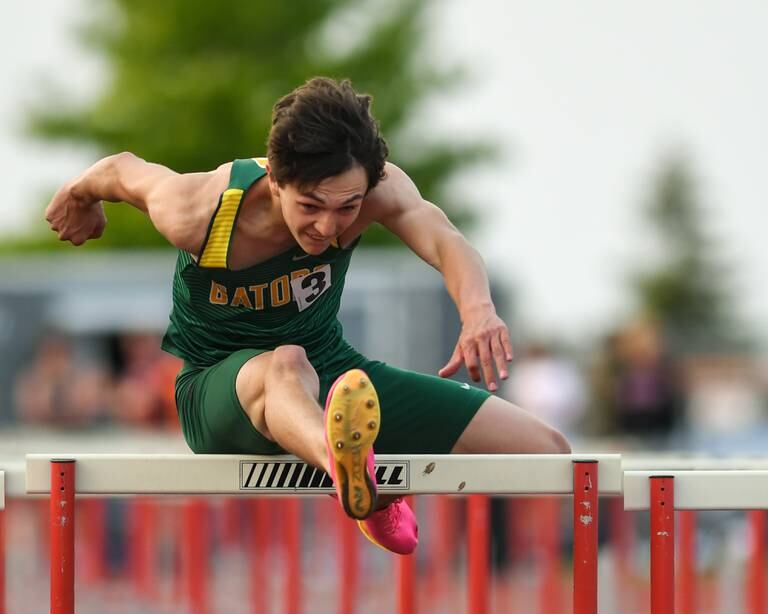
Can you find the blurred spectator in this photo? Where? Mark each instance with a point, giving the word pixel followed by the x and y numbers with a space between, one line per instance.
pixel 61 389
pixel 550 386
pixel 601 419
pixel 144 389
pixel 648 389
pixel 725 393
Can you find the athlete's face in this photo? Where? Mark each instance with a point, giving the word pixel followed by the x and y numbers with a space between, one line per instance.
pixel 317 215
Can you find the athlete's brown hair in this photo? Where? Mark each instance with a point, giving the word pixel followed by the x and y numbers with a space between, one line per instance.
pixel 322 129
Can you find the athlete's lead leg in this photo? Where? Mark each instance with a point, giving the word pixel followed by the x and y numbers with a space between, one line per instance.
pixel 279 391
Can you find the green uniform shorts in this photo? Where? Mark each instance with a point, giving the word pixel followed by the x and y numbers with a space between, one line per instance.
pixel 420 414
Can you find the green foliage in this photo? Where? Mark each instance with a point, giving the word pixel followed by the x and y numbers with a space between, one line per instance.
pixel 191 84
pixel 688 292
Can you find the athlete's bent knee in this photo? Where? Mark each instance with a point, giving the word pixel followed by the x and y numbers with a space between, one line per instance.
pixel 289 358
pixel 289 361
pixel 557 443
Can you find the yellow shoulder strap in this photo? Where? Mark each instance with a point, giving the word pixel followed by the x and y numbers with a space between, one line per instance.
pixel 216 247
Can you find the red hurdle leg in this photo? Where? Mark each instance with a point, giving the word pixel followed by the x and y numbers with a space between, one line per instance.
pixel 441 548
pixel 406 580
pixel 755 589
pixel 142 521
pixel 622 537
pixel 292 549
pixel 585 493
pixel 478 552
pixel 62 531
pixel 258 552
pixel 195 561
pixel 92 515
pixel 662 545
pixel 348 562
pixel 230 522
pixel 687 562
pixel 548 546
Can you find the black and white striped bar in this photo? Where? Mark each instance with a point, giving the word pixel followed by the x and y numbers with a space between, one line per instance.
pixel 701 490
pixel 125 474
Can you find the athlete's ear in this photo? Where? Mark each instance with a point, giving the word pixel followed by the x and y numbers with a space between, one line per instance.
pixel 273 187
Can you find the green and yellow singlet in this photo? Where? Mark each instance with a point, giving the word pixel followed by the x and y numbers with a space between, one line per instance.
pixel 291 298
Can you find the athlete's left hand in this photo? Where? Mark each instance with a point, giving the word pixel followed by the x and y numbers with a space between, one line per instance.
pixel 483 344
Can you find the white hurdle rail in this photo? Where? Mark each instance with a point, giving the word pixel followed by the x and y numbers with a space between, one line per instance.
pixel 701 490
pixel 65 475
pixel 519 474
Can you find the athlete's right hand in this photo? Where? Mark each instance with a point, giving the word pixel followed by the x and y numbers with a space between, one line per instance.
pixel 74 217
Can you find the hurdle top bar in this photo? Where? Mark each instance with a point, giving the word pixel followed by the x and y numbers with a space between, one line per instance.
pixel 667 462
pixel 701 490
pixel 103 474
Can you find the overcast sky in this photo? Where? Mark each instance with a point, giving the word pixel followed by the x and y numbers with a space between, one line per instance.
pixel 585 99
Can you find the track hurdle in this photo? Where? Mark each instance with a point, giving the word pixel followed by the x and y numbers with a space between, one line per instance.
pixel 755 589
pixel 663 492
pixel 126 474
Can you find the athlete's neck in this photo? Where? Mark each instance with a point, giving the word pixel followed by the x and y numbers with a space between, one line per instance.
pixel 262 213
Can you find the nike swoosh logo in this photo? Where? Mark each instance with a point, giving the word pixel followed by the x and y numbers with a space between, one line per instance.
pixel 300 257
pixel 465 386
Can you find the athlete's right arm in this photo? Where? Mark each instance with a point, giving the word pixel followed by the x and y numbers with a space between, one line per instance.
pixel 177 204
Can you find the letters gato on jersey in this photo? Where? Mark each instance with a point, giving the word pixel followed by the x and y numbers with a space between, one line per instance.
pixel 302 286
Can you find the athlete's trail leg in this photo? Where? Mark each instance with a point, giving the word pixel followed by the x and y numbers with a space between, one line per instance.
pixel 499 427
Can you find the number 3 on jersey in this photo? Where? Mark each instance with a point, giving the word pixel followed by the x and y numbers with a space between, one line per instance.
pixel 308 288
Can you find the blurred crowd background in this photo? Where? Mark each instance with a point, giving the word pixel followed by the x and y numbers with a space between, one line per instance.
pixel 635 294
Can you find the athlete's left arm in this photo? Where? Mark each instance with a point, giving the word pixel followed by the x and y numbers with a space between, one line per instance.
pixel 484 341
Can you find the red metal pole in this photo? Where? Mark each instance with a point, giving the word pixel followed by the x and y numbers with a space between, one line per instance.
pixel 756 572
pixel 196 529
pixel 143 520
pixel 348 561
pixel 92 530
pixel 62 532
pixel 622 536
pixel 662 545
pixel 292 545
pixel 687 562
pixel 230 522
pixel 478 553
pixel 259 547
pixel 441 548
pixel 585 493
pixel 406 579
pixel 178 532
pixel 551 598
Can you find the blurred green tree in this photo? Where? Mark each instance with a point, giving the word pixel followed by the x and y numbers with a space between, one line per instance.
pixel 191 84
pixel 689 290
